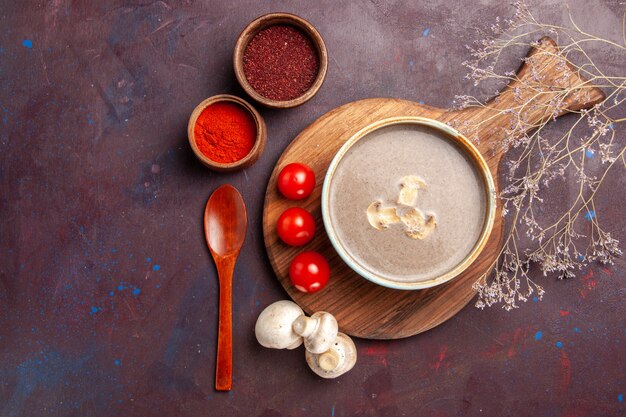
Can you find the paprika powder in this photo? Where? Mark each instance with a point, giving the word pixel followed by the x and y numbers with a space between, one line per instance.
pixel 225 132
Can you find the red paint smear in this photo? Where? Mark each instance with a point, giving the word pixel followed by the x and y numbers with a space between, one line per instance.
pixel 516 336
pixel 517 339
pixel 564 313
pixel 492 351
pixel 591 285
pixel 566 371
pixel 588 284
pixel 439 359
pixel 378 350
pixel 607 271
pixel 525 337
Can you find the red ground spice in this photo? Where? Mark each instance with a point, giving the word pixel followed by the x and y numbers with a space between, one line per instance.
pixel 225 132
pixel 281 63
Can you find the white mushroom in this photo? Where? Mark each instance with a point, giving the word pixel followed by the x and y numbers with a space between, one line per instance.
pixel 381 217
pixel 417 225
pixel 274 327
pixel 319 331
pixel 336 361
pixel 408 189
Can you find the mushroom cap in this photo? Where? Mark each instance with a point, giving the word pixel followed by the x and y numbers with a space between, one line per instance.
pixel 408 189
pixel 417 225
pixel 319 331
pixel 381 217
pixel 273 328
pixel 336 361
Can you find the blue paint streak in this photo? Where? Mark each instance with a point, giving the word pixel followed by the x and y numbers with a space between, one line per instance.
pixel 112 293
pixel 589 153
pixel 136 291
pixel 93 310
pixel 576 330
pixel 559 344
pixel 27 43
pixel 590 215
pixel 148 259
pixel 538 335
pixel 120 287
pixel 535 299
pixel 420 102
pixel 173 344
pixel 332 411
pixel 426 32
pixel 118 362
pixel 158 285
pixel 620 398
pixel 156 267
pixel 46 370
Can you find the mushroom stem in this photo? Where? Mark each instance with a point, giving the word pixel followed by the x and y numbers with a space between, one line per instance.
pixel 305 326
pixel 336 361
pixel 329 360
pixel 318 331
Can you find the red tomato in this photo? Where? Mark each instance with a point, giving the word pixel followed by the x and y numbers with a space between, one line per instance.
pixel 309 271
pixel 296 181
pixel 296 226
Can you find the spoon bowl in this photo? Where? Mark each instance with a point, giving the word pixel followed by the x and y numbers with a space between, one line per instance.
pixel 225 223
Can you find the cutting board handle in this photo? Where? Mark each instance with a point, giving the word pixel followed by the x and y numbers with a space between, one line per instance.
pixel 546 86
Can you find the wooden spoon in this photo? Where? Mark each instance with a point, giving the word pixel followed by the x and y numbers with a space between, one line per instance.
pixel 225 224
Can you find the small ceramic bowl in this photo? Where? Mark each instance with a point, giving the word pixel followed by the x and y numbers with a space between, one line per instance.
pixel 264 22
pixel 457 192
pixel 255 152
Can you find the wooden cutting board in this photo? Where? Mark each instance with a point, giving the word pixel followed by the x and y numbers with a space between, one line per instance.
pixel 367 310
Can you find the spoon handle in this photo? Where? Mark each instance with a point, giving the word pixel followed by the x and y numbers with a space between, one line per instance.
pixel 224 365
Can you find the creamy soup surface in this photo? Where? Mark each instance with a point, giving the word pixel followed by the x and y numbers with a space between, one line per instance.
pixel 454 194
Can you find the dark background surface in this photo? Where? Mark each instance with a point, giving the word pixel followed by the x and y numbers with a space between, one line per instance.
pixel 108 295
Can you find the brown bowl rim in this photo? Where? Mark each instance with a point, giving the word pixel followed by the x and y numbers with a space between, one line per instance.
pixel 246 161
pixel 272 19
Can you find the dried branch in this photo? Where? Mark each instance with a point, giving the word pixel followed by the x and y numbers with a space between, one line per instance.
pixel 557 247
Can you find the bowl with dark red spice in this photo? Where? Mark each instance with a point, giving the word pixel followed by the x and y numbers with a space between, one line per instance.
pixel 226 133
pixel 280 60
